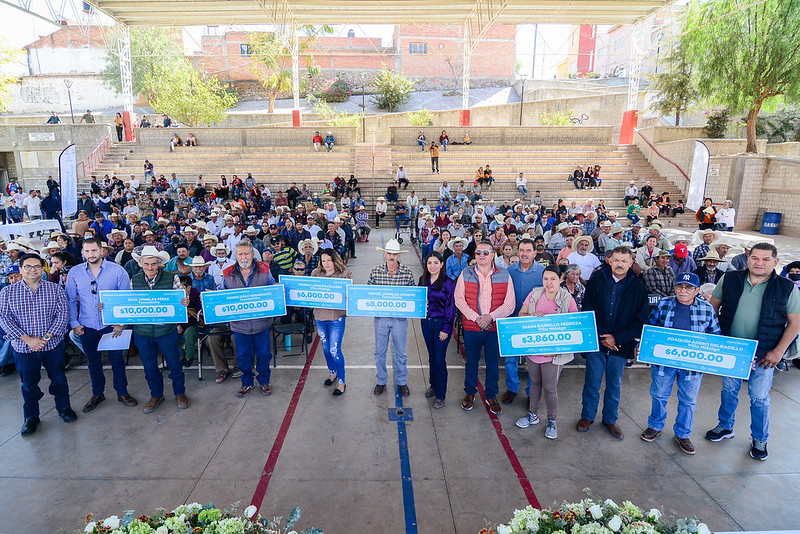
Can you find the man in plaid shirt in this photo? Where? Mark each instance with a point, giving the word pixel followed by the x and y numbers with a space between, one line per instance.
pixel 33 314
pixel 685 311
pixel 660 279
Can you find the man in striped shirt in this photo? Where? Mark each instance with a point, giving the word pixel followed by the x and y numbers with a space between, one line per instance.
pixel 33 314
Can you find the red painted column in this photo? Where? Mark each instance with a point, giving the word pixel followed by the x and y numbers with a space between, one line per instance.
pixel 463 119
pixel 629 121
pixel 127 122
pixel 296 119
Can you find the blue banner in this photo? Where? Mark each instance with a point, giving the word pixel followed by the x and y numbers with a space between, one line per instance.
pixel 246 303
pixel 559 333
pixel 315 292
pixel 706 353
pixel 144 307
pixel 410 302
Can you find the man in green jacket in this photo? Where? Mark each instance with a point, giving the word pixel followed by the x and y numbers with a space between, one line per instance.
pixel 150 338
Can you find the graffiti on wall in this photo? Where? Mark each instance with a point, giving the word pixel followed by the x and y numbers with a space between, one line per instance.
pixel 40 95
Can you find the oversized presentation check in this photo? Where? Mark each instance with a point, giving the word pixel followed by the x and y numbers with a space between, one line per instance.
pixel 143 307
pixel 315 292
pixel 246 303
pixel 706 353
pixel 559 333
pixel 410 302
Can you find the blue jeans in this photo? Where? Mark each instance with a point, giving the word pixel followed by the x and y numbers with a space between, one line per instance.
pixel 397 329
pixel 331 334
pixel 6 354
pixel 445 143
pixel 633 217
pixel 661 389
pixel 599 364
pixel 758 387
pixel 437 354
pixel 523 190
pixel 29 367
pixel 148 352
pixel 512 375
pixel 474 343
pixel 401 220
pixel 248 347
pixel 89 341
pixel 421 143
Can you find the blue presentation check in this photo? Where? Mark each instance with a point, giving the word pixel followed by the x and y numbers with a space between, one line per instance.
pixel 246 303
pixel 559 333
pixel 143 307
pixel 315 292
pixel 693 351
pixel 410 302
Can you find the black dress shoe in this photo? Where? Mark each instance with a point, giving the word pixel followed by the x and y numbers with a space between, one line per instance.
pixel 379 389
pixel 29 426
pixel 92 403
pixel 67 415
pixel 7 369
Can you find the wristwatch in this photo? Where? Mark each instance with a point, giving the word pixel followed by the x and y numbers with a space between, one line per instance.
pixel 47 337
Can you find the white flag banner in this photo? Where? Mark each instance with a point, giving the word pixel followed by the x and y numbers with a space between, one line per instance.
pixel 697 182
pixel 68 175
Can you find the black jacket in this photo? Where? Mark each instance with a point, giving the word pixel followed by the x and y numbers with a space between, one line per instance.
pixel 629 317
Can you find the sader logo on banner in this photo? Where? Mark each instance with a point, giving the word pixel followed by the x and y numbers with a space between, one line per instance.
pixel 697 183
pixel 68 175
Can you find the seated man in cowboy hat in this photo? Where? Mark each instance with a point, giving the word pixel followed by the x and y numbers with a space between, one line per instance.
pixel 660 279
pixel 583 257
pixel 180 261
pixel 559 238
pixel 391 273
pixel 201 280
pixel 709 273
pixel 150 338
pixel 209 242
pixel 708 236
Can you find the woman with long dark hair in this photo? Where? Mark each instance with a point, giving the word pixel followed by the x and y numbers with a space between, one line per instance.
pixel 437 326
pixel 331 323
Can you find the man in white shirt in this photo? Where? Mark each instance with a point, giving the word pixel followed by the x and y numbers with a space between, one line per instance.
pixel 582 256
pixel 214 224
pixel 522 185
pixel 32 205
pixel 133 183
pixel 401 177
pixel 631 192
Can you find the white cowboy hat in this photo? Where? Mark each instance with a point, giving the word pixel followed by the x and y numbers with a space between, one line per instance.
pixel 220 246
pixel 251 228
pixel 720 243
pixel 452 242
pixel 201 224
pixel 116 231
pixel 14 246
pixel 150 251
pixel 604 223
pixel 710 231
pixel 303 242
pixel 613 214
pixel 197 261
pixel 586 238
pixel 562 226
pixel 616 228
pixel 24 242
pixel 190 230
pixel 392 247
pixel 50 245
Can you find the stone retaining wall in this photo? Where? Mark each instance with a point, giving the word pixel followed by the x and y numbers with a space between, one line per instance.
pixel 531 136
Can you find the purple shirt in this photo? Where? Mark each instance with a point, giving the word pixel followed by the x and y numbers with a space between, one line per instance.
pixel 23 312
pixel 442 303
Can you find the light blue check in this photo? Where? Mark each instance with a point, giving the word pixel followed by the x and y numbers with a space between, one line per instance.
pixel 693 351
pixel 559 333
pixel 240 304
pixel 316 292
pixel 143 307
pixel 410 302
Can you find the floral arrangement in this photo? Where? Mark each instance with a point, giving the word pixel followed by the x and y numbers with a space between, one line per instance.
pixel 195 518
pixel 591 517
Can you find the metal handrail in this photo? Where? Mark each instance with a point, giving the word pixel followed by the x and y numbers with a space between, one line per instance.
pixel 660 155
pixel 97 155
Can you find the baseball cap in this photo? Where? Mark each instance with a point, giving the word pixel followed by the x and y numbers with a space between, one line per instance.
pixel 688 278
pixel 681 251
pixel 12 269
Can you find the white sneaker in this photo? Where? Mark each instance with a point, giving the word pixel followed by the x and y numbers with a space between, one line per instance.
pixel 527 420
pixel 551 432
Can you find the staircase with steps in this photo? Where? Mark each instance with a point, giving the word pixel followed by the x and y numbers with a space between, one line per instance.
pixel 546 168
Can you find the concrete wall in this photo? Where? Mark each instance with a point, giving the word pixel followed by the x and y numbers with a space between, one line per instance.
pixel 36 149
pixel 515 136
pixel 783 149
pixel 46 93
pixel 248 137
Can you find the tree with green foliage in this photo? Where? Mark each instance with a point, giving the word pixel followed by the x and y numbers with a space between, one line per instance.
pixel 556 118
pixel 188 96
pixel 272 60
pixel 153 49
pixel 422 117
pixel 393 89
pixel 673 86
pixel 8 54
pixel 744 57
pixel 334 117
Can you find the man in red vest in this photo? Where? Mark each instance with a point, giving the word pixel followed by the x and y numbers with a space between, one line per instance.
pixel 484 293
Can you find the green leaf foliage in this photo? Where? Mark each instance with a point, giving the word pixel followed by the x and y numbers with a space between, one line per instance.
pixel 393 89
pixel 556 118
pixel 333 117
pixel 422 117
pixel 673 86
pixel 8 55
pixel 742 56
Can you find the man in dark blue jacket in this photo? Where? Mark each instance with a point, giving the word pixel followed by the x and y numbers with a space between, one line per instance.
pixel 619 300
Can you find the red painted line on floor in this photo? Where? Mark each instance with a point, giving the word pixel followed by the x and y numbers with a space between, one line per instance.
pixel 272 459
pixel 498 428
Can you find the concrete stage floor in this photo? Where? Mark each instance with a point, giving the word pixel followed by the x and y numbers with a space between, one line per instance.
pixel 340 461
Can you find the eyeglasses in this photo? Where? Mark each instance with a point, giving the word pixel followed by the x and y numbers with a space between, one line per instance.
pixel 484 252
pixel 30 268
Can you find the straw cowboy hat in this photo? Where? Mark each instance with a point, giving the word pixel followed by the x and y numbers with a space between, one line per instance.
pixel 201 224
pixel 152 252
pixel 392 247
pixel 452 242
pixel 220 246
pixel 499 219
pixel 303 242
pixel 116 231
pixel 710 231
pixel 712 255
pixel 615 229
pixel 586 238
pixel 211 237
pixel 197 261
pixel 49 246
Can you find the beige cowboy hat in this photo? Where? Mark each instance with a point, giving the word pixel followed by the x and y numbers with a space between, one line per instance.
pixel 712 255
pixel 392 247
pixel 604 223
pixel 201 224
pixel 211 237
pixel 24 242
pixel 197 261
pixel 150 251
pixel 116 231
pixel 710 231
pixel 220 246
pixel 162 220
pixel 562 226
pixel 656 227
pixel 303 242
pixel 14 246
pixel 54 235
pixel 721 243
pixel 49 246
pixel 616 229
pixel 499 219
pixel 586 238
pixel 251 228
pixel 613 214
pixel 452 242
pixel 190 230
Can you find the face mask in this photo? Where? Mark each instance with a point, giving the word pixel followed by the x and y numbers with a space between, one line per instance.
pixel 794 277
